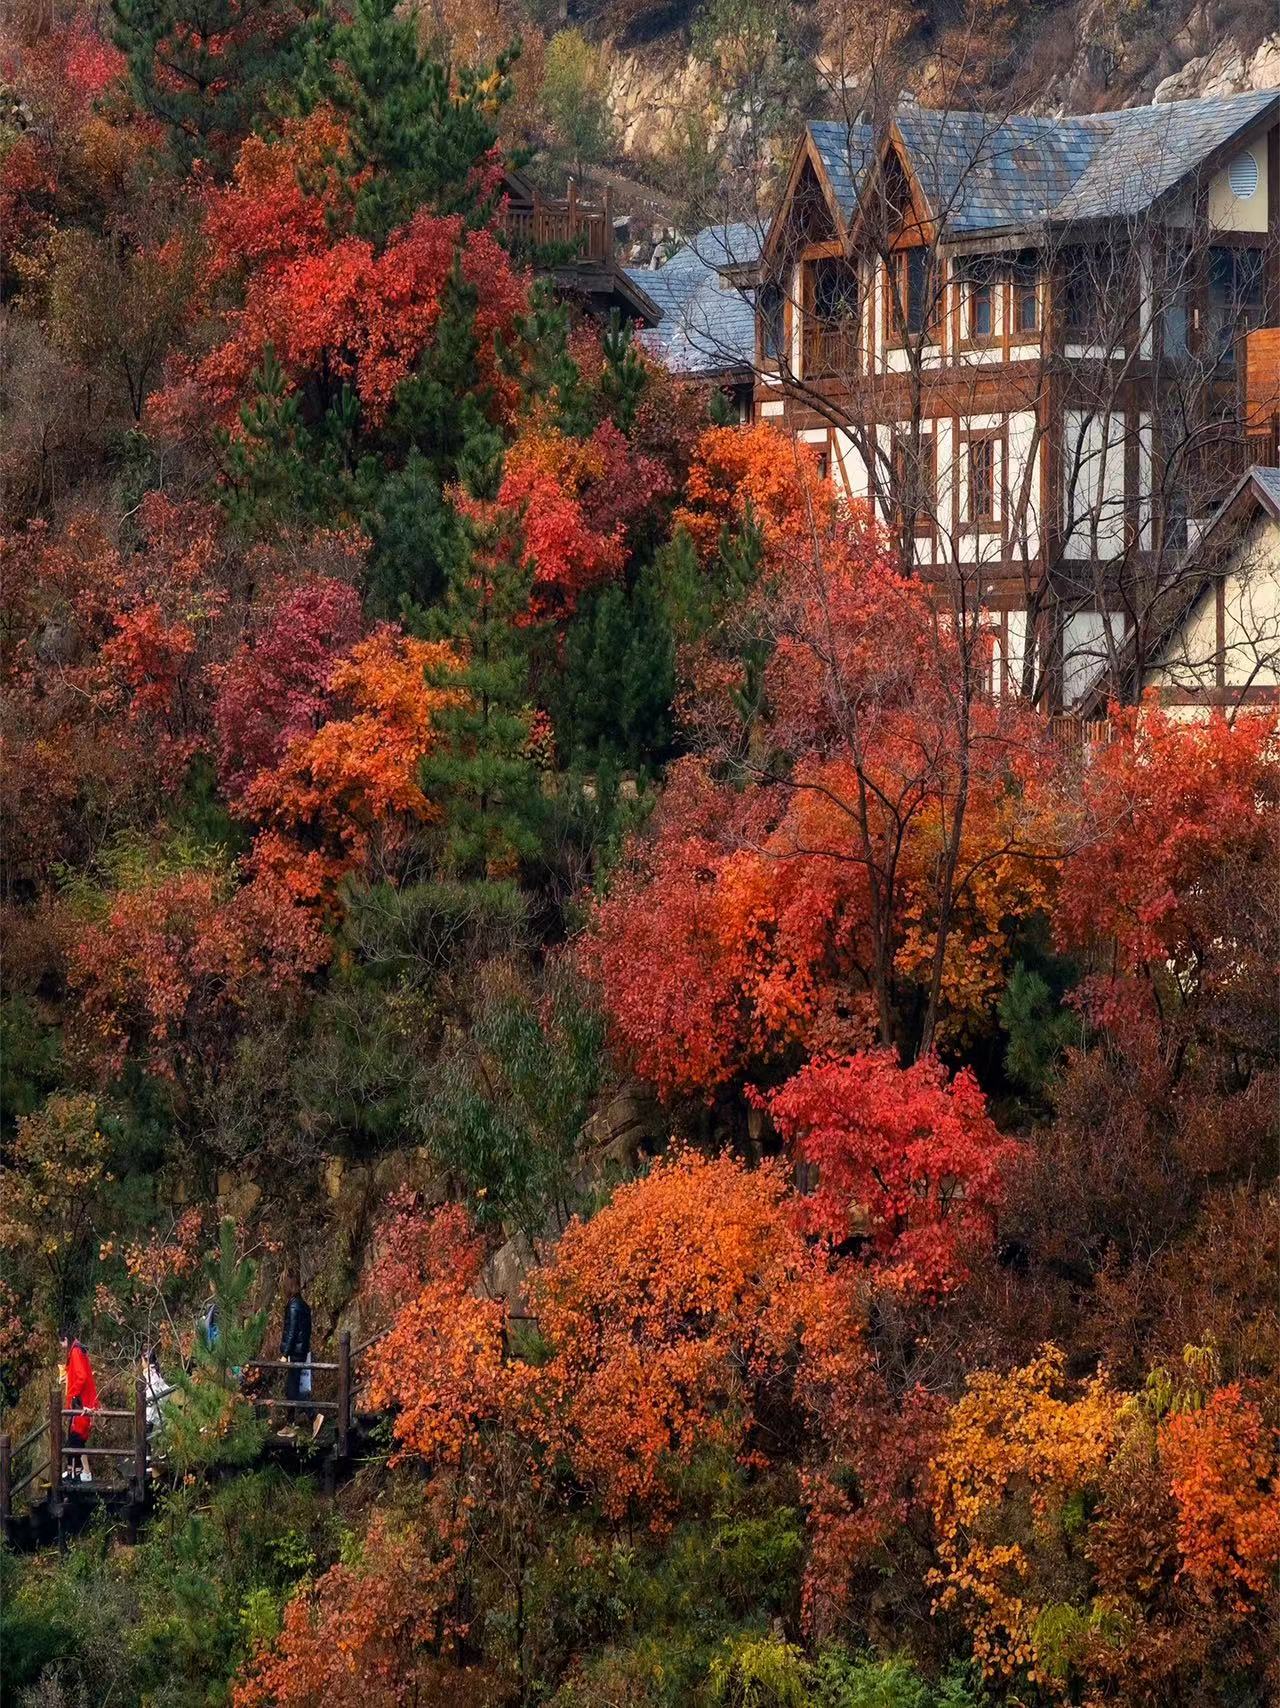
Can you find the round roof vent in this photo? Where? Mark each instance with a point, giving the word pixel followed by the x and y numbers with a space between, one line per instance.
pixel 1242 175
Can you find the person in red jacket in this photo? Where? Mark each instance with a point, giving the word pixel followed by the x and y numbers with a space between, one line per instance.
pixel 82 1399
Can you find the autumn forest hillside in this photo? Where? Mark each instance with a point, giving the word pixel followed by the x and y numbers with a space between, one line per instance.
pixel 790 1135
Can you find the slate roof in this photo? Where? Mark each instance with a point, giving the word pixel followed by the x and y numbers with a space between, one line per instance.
pixel 985 175
pixel 845 151
pixel 707 325
pixel 1268 483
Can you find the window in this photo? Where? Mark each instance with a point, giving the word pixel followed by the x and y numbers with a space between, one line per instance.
pixel 1081 298
pixel 915 282
pixel 982 480
pixel 1026 295
pixel 1235 297
pixel 831 333
pixel 772 304
pixel 978 278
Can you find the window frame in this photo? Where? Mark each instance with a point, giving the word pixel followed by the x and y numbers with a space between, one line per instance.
pixel 985 444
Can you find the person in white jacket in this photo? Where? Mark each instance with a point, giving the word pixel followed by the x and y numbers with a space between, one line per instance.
pixel 157 1389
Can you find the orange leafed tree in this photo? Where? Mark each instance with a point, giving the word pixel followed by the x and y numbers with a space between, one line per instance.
pixel 672 1313
pixel 353 783
pixel 372 1634
pixel 760 468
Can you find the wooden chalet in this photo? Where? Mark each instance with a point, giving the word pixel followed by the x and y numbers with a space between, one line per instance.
pixel 1048 343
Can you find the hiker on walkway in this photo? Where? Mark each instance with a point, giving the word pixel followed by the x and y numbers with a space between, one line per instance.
pixel 295 1349
pixel 157 1390
pixel 81 1398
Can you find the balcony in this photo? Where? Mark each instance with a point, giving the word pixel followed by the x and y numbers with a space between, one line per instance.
pixel 583 230
pixel 830 349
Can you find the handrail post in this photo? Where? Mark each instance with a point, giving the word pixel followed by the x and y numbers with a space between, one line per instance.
pixel 55 1449
pixel 6 1484
pixel 344 1393
pixel 140 1440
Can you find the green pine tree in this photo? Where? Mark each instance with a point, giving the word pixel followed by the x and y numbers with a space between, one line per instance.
pixel 442 410
pixel 624 377
pixel 416 126
pixel 551 374
pixel 482 773
pixel 204 68
pixel 614 698
pixel 210 1423
pixel 277 469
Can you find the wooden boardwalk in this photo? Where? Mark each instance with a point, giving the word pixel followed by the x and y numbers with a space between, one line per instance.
pixel 43 1500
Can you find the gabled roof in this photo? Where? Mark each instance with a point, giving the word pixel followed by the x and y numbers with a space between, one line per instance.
pixel 708 323
pixel 1257 492
pixel 980 174
pixel 846 152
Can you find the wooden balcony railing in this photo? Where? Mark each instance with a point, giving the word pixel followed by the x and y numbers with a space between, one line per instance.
pixel 830 349
pixel 583 228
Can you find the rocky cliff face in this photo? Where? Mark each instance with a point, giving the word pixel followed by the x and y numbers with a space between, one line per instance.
pixel 1078 56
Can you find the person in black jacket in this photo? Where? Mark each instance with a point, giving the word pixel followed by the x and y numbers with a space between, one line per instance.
pixel 295 1345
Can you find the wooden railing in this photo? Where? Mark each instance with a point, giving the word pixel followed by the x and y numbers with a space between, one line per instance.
pixel 570 224
pixel 830 349
pixel 48 1445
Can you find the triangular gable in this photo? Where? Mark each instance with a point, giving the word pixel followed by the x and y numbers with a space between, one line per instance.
pixel 893 175
pixel 806 169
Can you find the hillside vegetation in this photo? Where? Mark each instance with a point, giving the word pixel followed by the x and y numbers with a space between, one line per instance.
pixel 793 1138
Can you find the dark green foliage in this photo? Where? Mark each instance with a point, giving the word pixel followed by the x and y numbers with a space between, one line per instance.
pixel 277 468
pixel 624 377
pixel 482 773
pixel 205 68
pixel 511 1094
pixel 30 1060
pixel 643 1617
pixel 213 1425
pixel 441 410
pixel 416 535
pixel 416 126
pixel 169 1622
pixel 613 701
pixel 1037 1023
pixel 552 377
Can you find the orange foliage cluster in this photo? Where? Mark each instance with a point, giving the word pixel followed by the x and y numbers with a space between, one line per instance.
pixel 174 960
pixel 672 1312
pixel 1221 1461
pixel 760 468
pixel 354 781
pixel 1069 1522
pixel 670 1316
pixel 365 1635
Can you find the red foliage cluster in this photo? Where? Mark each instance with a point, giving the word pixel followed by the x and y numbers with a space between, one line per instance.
pixel 578 499
pixel 335 309
pixel 173 961
pixel 275 688
pixel 905 1156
